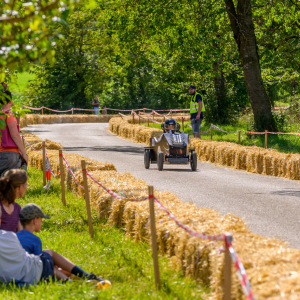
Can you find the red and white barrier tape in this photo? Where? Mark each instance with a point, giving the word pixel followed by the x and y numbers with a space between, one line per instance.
pixel 34 108
pixel 218 128
pixel 71 172
pixel 113 193
pixel 241 273
pixel 250 132
pixel 288 133
pixel 122 115
pixel 85 109
pixel 30 145
pixel 281 107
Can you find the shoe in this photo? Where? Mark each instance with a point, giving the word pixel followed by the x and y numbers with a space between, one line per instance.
pixel 100 283
pixel 93 277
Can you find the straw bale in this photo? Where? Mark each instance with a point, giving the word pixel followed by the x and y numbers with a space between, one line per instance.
pixel 272 267
pixel 57 119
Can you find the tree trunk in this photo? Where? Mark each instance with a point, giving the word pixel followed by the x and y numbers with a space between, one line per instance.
pixel 243 29
pixel 222 104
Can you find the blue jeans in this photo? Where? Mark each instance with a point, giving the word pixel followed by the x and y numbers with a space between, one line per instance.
pixel 96 110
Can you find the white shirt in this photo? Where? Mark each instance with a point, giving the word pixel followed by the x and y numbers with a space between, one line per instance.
pixel 15 262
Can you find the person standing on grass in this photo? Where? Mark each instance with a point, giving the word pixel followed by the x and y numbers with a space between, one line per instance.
pixel 11 145
pixel 96 105
pixel 13 185
pixel 196 110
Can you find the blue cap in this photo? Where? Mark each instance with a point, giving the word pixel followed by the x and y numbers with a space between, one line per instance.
pixel 192 87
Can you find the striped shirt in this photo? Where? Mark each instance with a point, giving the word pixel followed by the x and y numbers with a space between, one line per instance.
pixel 30 242
pixel 9 222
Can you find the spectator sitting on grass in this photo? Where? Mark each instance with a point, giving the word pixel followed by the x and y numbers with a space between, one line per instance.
pixel 17 265
pixel 13 185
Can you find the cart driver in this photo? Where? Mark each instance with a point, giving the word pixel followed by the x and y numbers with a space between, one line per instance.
pixel 170 124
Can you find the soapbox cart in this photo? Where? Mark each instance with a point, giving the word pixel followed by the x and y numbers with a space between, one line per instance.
pixel 171 148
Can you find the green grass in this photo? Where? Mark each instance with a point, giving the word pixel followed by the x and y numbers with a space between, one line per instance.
pixel 22 81
pixel 110 254
pixel 282 143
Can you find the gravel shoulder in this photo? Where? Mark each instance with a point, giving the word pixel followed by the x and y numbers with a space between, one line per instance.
pixel 269 205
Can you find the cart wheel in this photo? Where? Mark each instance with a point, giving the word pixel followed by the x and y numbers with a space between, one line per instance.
pixel 147 159
pixel 194 161
pixel 160 161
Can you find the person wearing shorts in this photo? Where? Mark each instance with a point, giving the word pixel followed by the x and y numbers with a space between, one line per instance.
pixel 19 266
pixel 196 110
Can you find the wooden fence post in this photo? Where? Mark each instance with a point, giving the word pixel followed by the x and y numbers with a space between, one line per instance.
pixel 132 117
pixel 153 237
pixel 148 121
pixel 44 163
pixel 42 111
pixel 227 269
pixel 171 113
pixel 266 139
pixel 153 114
pixel 139 118
pixel 211 132
pixel 239 136
pixel 72 111
pixel 183 124
pixel 62 178
pixel 87 198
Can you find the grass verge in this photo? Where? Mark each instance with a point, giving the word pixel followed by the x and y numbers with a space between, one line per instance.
pixel 110 254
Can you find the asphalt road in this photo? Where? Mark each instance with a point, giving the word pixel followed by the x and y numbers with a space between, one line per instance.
pixel 269 205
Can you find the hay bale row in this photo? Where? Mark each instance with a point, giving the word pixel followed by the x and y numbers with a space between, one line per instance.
pixel 135 133
pixel 57 119
pixel 74 160
pixel 249 158
pixel 135 120
pixel 272 267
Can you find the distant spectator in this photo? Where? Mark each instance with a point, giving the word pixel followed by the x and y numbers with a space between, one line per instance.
pixel 13 185
pixel 96 105
pixel 11 145
pixel 103 110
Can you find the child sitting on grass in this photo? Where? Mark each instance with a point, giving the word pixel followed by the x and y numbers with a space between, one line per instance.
pixel 31 216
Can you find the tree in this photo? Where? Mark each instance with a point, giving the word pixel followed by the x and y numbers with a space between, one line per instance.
pixel 243 29
pixel 81 58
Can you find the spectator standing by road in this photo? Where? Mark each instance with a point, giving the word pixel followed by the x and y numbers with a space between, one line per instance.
pixel 11 145
pixel 196 110
pixel 96 105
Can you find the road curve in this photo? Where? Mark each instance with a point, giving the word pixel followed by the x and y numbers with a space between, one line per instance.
pixel 269 205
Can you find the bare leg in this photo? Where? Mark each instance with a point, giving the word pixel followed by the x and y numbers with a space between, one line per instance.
pixel 197 135
pixel 60 261
pixel 59 274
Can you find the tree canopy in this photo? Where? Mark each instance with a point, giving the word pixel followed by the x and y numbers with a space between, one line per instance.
pixel 141 53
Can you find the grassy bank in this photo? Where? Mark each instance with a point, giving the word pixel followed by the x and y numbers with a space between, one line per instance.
pixel 281 143
pixel 111 254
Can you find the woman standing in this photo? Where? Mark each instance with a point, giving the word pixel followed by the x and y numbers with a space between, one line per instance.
pixel 13 185
pixel 11 145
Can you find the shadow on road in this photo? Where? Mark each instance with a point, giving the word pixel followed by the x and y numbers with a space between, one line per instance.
pixel 123 149
pixel 172 170
pixel 287 193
